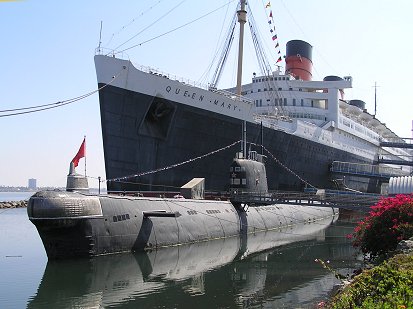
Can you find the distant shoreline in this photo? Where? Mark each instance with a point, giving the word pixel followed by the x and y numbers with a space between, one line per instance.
pixel 4 189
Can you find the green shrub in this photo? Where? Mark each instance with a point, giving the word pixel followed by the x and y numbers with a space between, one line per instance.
pixel 389 285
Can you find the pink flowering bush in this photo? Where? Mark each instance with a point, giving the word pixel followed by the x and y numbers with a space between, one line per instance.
pixel 388 222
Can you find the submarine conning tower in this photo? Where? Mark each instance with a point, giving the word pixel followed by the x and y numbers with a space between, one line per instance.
pixel 248 175
pixel 299 60
pixel 75 181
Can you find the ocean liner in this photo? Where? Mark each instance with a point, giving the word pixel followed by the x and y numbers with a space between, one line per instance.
pixel 159 132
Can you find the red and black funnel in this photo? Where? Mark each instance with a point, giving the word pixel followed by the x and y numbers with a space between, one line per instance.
pixel 299 60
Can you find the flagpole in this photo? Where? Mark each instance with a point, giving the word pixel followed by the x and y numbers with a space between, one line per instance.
pixel 84 139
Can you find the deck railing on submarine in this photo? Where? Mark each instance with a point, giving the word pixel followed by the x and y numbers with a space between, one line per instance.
pixel 327 198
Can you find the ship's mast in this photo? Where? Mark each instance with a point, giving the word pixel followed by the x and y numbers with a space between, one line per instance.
pixel 375 98
pixel 242 19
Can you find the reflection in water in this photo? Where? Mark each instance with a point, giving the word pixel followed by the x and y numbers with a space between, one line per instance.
pixel 228 273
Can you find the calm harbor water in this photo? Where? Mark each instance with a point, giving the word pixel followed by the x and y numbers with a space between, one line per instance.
pixel 15 196
pixel 208 275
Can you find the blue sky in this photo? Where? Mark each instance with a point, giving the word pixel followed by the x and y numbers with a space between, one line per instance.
pixel 48 48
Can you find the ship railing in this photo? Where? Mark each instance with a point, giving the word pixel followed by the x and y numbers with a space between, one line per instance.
pixel 279 123
pixel 209 195
pixel 365 169
pixel 148 69
pixel 271 117
pixel 111 52
pixel 231 95
pixel 185 81
pixel 192 83
pixel 257 198
pixel 326 198
pixel 182 80
pixel 396 140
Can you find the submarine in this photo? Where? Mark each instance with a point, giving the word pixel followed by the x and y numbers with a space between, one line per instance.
pixel 75 223
pixel 134 280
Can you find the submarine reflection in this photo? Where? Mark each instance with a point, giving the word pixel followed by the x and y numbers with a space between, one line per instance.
pixel 221 273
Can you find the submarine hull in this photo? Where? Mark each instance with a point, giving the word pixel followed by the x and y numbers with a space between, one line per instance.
pixel 73 224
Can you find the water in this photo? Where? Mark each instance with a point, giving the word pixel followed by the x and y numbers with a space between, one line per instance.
pixel 15 196
pixel 25 195
pixel 210 275
pixel 22 258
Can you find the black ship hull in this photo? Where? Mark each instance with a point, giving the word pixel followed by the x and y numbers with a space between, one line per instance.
pixel 143 133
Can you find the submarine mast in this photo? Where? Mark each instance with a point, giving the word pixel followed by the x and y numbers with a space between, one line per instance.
pixel 242 19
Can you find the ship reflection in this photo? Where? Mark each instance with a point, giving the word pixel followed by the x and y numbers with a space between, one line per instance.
pixel 219 273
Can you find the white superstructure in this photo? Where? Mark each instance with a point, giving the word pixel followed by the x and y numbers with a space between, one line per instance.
pixel 318 111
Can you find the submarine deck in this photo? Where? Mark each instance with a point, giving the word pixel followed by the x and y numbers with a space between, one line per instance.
pixel 328 198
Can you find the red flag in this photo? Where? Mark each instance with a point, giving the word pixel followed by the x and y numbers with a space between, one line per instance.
pixel 279 59
pixel 80 154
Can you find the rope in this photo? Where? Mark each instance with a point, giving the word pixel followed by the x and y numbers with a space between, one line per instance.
pixel 132 21
pixel 122 179
pixel 284 166
pixel 177 28
pixel 155 22
pixel 174 165
pixel 38 108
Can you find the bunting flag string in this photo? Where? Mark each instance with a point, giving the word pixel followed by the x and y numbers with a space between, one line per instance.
pixel 273 32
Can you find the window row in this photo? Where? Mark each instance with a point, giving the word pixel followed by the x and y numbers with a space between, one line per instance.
pixel 308 116
pixel 237 169
pixel 213 211
pixel 279 102
pixel 237 181
pixel 266 79
pixel 121 217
